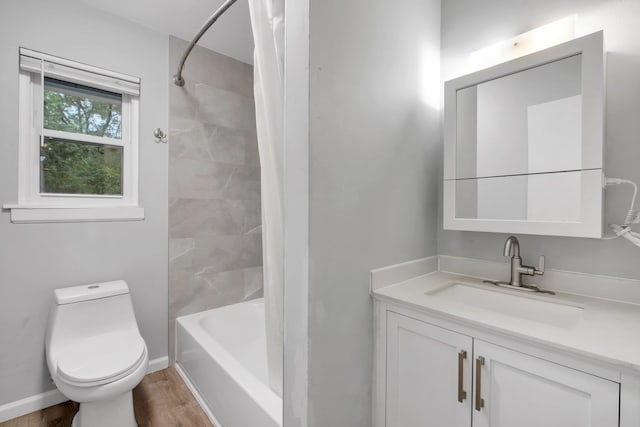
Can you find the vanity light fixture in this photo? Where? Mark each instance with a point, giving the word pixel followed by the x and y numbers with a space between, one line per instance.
pixel 430 76
pixel 537 39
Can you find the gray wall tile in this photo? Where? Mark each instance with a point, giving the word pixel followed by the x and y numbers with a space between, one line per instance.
pixel 215 232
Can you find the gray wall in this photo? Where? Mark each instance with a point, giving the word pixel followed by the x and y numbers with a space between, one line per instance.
pixel 374 156
pixel 37 258
pixel 215 236
pixel 468 25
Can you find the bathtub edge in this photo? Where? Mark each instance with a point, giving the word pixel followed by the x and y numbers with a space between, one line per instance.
pixel 196 394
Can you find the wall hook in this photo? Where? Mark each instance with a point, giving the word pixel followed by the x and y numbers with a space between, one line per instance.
pixel 160 136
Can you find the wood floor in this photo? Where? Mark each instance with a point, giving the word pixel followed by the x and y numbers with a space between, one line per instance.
pixel 161 400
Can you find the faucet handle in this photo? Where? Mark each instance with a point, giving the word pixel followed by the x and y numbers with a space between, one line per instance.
pixel 540 270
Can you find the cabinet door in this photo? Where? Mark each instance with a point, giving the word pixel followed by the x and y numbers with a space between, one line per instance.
pixel 428 375
pixel 524 391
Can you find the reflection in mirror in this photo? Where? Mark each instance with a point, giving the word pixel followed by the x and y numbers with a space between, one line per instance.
pixel 525 122
pixel 538 197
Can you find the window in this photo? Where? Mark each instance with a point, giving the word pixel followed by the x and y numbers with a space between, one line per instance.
pixel 78 155
pixel 70 161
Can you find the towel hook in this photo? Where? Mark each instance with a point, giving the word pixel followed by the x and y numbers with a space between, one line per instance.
pixel 160 136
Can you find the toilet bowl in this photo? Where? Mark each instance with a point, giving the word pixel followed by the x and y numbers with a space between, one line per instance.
pixel 95 352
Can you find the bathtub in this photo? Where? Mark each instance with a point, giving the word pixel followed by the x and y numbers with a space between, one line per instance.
pixel 222 355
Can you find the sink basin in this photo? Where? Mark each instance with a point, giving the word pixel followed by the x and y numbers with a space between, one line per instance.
pixel 551 313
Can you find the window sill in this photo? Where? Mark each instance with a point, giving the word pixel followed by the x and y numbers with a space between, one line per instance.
pixel 40 214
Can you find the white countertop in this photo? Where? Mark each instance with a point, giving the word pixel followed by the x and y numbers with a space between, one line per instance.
pixel 607 331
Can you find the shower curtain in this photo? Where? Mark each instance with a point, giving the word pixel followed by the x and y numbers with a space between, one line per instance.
pixel 267 22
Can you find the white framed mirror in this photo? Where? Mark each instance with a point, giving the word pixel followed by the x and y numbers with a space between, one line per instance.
pixel 524 144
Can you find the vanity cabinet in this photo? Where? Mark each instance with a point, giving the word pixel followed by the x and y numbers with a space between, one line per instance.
pixel 430 376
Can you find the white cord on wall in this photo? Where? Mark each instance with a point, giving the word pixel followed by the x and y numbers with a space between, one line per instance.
pixel 633 216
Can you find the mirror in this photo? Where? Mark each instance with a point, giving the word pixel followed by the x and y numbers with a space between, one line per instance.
pixel 524 143
pixel 537 197
pixel 539 125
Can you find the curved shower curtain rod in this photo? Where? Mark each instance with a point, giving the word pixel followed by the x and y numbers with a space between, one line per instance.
pixel 177 78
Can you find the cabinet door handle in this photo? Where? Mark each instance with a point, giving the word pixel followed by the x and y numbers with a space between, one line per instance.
pixel 479 399
pixel 462 395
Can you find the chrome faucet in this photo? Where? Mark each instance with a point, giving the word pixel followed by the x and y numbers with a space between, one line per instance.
pixel 512 249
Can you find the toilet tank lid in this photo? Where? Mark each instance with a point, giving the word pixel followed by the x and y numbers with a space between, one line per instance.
pixel 90 292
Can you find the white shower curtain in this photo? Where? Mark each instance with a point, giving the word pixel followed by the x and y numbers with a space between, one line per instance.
pixel 267 21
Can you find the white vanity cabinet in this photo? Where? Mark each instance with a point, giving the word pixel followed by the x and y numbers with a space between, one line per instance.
pixel 431 376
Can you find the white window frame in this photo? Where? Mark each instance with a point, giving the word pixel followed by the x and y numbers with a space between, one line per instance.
pixel 34 206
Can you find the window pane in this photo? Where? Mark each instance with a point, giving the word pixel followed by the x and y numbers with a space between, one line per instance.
pixel 70 167
pixel 75 108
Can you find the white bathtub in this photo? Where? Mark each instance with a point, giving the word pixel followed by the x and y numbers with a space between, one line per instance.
pixel 223 354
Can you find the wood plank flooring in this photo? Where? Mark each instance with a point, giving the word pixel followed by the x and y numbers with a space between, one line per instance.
pixel 162 399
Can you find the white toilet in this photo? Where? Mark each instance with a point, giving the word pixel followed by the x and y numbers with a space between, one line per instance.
pixel 95 353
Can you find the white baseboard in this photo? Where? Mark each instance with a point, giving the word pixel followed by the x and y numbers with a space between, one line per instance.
pixel 40 401
pixel 158 364
pixel 197 396
pixel 30 404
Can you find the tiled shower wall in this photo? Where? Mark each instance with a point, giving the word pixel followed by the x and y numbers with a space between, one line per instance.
pixel 215 241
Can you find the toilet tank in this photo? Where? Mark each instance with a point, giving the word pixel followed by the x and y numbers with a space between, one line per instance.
pixel 88 310
pixel 91 292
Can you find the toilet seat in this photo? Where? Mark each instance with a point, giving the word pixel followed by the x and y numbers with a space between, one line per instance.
pixel 101 359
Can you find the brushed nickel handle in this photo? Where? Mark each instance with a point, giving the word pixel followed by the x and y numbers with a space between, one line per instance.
pixel 479 399
pixel 462 395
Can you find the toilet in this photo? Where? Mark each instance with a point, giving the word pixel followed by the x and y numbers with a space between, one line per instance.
pixel 95 353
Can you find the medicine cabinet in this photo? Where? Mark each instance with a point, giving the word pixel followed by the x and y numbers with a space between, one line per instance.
pixel 524 144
